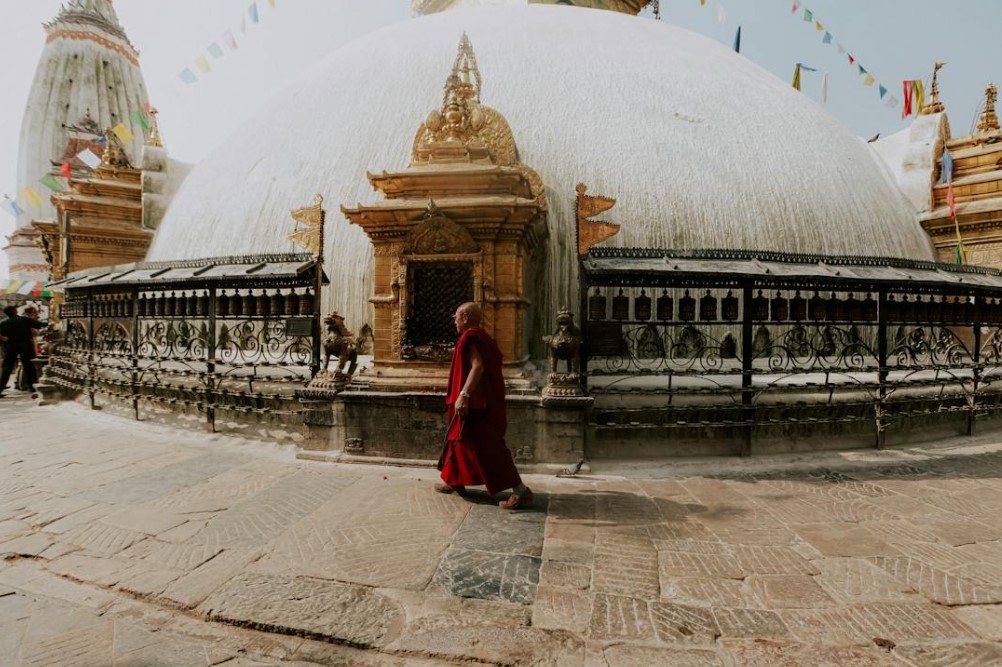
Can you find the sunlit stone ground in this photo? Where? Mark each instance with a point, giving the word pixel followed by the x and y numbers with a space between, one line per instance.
pixel 134 544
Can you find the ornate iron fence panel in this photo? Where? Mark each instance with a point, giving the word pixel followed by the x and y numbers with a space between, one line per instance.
pixel 676 346
pixel 242 346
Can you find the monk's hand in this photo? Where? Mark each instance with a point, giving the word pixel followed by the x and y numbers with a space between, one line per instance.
pixel 463 404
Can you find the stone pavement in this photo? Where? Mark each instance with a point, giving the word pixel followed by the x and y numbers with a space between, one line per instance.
pixel 126 543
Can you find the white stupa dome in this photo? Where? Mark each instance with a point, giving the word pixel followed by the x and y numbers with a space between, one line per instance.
pixel 701 147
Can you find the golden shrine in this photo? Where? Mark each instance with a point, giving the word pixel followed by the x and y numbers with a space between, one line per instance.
pixel 457 225
pixel 977 193
pixel 99 220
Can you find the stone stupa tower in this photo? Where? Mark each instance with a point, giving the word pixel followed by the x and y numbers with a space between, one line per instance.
pixel 88 70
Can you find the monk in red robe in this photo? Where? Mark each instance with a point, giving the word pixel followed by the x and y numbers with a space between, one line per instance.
pixel 475 452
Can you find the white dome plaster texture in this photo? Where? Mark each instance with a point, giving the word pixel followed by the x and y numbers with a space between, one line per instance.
pixel 701 147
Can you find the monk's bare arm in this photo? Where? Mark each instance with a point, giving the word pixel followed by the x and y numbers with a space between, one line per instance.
pixel 472 380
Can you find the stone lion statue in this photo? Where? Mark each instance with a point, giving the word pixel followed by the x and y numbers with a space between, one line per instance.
pixel 339 343
pixel 565 343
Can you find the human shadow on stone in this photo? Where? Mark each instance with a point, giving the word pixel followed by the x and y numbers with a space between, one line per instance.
pixel 598 508
pixel 540 501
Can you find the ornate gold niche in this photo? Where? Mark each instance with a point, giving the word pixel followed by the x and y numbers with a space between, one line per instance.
pixel 464 204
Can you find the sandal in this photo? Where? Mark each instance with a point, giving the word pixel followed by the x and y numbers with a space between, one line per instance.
pixel 446 488
pixel 517 501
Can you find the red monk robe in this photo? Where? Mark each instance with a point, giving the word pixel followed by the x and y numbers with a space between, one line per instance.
pixel 475 451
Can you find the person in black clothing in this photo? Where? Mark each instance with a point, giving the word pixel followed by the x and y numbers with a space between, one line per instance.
pixel 17 335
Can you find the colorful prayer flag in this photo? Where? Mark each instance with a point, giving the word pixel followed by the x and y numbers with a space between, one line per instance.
pixel 146 106
pixel 89 158
pixel 862 70
pixel 796 77
pixel 841 49
pixel 883 91
pixel 65 170
pixel 123 132
pixel 869 80
pixel 737 40
pixel 252 12
pixel 906 91
pixel 52 183
pixel 139 118
pixel 951 200
pixel 808 15
pixel 11 207
pixel 961 256
pixel 818 26
pixel 721 14
pixel 202 63
pixel 827 39
pixel 796 6
pixel 824 89
pixel 946 170
pixel 188 76
pixel 272 2
pixel 30 195
pixel 919 88
pixel 230 40
pixel 852 60
pixel 215 50
pixel 701 2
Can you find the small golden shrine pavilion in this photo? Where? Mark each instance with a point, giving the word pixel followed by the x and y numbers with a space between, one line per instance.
pixel 457 225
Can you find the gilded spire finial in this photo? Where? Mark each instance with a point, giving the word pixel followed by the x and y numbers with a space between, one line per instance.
pixel 114 156
pixel 463 130
pixel 989 120
pixel 935 106
pixel 465 65
pixel 460 89
pixel 155 141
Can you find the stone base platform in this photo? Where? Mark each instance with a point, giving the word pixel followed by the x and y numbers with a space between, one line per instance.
pixel 410 426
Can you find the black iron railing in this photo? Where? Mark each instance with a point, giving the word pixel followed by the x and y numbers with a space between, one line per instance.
pixel 704 343
pixel 239 345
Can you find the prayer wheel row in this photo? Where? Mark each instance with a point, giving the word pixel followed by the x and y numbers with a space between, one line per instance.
pixel 664 307
pixel 248 304
pixel 708 308
pixel 100 306
pixel 193 304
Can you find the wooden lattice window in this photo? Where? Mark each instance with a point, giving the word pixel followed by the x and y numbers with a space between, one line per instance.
pixel 436 290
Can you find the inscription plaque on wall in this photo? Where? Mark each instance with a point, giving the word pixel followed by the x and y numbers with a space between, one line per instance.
pixel 605 339
pixel 299 326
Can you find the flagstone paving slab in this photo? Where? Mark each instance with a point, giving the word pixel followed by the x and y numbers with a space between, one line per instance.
pixel 144 545
pixel 354 615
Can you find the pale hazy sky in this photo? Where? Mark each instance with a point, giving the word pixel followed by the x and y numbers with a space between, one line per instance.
pixel 893 39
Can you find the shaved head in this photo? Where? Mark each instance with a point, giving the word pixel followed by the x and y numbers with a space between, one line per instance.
pixel 468 315
pixel 473 313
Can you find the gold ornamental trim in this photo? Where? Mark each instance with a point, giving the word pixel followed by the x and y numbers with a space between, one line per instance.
pixel 592 232
pixel 311 237
pixel 82 34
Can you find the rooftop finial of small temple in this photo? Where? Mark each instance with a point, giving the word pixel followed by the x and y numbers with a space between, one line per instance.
pixel 155 141
pixel 464 66
pixel 935 106
pixel 989 119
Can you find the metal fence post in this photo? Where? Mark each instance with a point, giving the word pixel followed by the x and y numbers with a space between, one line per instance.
pixel 135 353
pixel 210 366
pixel 747 357
pixel 975 377
pixel 91 363
pixel 879 403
